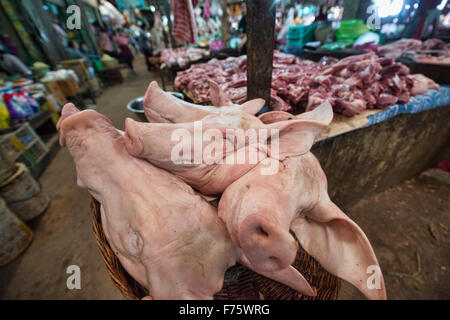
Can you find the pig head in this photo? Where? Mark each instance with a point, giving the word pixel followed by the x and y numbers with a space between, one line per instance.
pixel 162 107
pixel 261 210
pixel 211 153
pixel 166 236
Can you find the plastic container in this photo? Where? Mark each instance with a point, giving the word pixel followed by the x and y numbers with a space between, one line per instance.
pixel 23 144
pixel 136 106
pixel 34 154
pixel 299 35
pixel 297 51
pixel 4 114
pixel 40 72
pixel 350 30
pixel 98 65
pixel 23 194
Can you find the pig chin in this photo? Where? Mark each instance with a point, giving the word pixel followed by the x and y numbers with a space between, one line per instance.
pixel 267 245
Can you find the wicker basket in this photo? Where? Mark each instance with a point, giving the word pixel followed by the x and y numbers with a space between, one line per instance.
pixel 240 283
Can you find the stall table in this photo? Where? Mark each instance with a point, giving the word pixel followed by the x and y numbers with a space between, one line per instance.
pixel 316 55
pixel 379 148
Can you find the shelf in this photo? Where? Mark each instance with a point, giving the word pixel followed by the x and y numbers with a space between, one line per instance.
pixel 39 119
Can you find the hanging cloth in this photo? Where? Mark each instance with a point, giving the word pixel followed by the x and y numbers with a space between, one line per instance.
pixel 206 10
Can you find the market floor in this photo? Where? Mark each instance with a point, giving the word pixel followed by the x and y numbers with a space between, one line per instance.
pixel 408 226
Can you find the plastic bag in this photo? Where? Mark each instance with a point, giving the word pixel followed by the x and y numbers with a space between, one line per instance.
pixel 20 104
pixel 4 115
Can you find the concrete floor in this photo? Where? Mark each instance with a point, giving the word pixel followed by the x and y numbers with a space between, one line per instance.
pixel 411 218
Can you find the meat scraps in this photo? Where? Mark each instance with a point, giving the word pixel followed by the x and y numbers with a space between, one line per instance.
pixel 434 51
pixel 351 85
pixel 183 56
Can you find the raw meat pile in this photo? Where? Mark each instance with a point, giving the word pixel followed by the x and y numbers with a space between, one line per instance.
pixel 153 193
pixel 351 85
pixel 397 48
pixel 433 51
pixel 182 56
pixel 366 81
pixel 231 75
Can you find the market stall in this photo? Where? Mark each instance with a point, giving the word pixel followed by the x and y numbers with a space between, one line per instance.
pixel 377 141
pixel 432 104
pixel 371 100
pixel 242 184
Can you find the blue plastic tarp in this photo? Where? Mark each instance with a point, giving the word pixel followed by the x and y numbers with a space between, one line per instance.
pixel 430 100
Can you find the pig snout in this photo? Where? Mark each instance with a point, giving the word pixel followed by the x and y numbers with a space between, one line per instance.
pixel 68 110
pixel 73 120
pixel 267 245
pixel 132 140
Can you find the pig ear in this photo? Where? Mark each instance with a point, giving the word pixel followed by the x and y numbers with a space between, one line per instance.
pixel 68 110
pixel 341 247
pixel 132 140
pixel 217 96
pixel 152 87
pixel 323 114
pixel 297 136
pixel 275 116
pixel 253 106
pixel 289 276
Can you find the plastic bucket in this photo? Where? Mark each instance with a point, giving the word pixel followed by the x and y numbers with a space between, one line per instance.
pixel 15 236
pixel 23 194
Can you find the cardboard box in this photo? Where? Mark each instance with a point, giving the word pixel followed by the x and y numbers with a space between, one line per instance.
pixel 94 84
pixel 69 86
pixel 56 91
pixel 110 64
pixel 53 104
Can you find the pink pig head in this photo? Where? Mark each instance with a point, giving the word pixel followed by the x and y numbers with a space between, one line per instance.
pixel 261 210
pixel 162 107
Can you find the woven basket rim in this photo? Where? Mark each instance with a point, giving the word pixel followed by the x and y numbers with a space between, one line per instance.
pixel 240 283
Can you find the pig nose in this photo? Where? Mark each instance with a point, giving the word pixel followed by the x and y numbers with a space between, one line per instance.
pixel 68 110
pixel 267 246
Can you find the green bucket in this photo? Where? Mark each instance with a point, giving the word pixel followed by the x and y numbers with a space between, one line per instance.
pixel 98 65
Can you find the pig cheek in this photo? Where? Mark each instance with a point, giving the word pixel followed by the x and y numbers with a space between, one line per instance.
pixel 133 242
pixel 75 142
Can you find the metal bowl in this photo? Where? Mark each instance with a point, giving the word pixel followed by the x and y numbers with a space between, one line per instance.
pixel 137 107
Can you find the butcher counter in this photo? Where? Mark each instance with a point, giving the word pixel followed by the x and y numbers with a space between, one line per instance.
pixel 377 149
